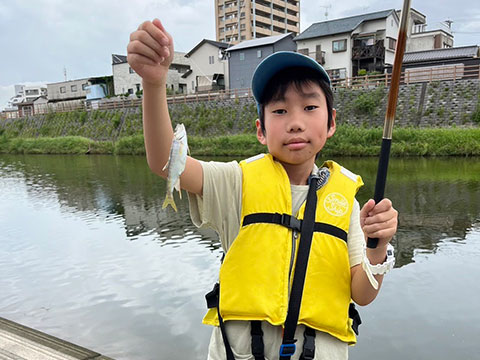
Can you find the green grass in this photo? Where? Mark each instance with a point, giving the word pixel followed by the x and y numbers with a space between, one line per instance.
pixel 347 141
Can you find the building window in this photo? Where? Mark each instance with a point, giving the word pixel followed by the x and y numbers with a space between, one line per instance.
pixel 339 45
pixel 392 43
pixel 242 15
pixel 130 91
pixel 84 86
pixel 63 89
pixel 73 88
pixel 242 56
pixel 303 51
pixel 130 70
pixel 211 59
pixel 193 85
pixel 242 37
pixel 242 26
pixel 259 53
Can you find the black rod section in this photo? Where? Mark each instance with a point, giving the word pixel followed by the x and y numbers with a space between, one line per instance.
pixel 381 180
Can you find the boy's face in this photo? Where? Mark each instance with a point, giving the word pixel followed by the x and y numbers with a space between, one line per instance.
pixel 296 127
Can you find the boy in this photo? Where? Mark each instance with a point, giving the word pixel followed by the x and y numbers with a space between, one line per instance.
pixel 258 209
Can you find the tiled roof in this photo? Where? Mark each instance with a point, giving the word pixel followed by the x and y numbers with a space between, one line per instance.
pixel 218 44
pixel 118 59
pixel 339 26
pixel 259 42
pixel 440 54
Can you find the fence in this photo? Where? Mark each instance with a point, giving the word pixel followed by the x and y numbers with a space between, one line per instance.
pixel 434 73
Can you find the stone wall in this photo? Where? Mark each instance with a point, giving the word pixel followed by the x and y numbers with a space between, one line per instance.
pixel 436 104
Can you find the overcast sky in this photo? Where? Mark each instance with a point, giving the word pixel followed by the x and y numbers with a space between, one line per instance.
pixel 39 38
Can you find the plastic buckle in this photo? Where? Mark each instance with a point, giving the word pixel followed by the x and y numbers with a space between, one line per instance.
pixel 308 347
pixel 287 349
pixel 291 222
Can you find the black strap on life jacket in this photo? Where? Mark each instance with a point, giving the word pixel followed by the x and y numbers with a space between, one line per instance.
pixel 258 348
pixel 213 300
pixel 293 223
pixel 287 349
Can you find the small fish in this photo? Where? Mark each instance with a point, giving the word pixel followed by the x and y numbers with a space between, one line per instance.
pixel 176 164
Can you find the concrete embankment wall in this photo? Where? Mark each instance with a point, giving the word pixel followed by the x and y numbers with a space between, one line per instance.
pixel 436 104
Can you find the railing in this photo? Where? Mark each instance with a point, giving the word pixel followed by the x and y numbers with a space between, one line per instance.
pixel 368 51
pixel 441 73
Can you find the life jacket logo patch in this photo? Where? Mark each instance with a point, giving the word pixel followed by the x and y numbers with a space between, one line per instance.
pixel 335 204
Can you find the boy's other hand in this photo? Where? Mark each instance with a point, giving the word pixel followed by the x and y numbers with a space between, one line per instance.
pixel 379 221
pixel 150 52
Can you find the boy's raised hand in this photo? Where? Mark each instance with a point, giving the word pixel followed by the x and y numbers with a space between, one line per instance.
pixel 379 221
pixel 150 52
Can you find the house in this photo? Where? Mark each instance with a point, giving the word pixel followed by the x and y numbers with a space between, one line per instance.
pixel 244 57
pixel 366 42
pixel 208 66
pixel 126 81
pixel 33 106
pixel 441 64
pixel 344 46
pixel 420 38
pixel 26 93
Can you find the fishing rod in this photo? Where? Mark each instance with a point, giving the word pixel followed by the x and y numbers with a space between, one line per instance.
pixel 390 114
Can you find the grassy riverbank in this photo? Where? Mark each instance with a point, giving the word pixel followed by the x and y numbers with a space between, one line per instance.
pixel 347 141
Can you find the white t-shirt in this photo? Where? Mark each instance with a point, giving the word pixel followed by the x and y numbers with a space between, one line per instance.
pixel 220 209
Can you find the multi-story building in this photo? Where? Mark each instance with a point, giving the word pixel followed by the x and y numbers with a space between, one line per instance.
pixel 239 20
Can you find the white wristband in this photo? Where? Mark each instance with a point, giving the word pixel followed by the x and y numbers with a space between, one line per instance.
pixel 379 269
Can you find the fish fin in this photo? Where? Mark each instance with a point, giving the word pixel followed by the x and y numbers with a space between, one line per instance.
pixel 169 201
pixel 166 165
pixel 178 188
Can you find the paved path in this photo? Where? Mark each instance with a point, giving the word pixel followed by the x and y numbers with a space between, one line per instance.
pixel 18 342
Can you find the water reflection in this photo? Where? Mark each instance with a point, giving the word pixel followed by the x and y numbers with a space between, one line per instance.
pixel 63 253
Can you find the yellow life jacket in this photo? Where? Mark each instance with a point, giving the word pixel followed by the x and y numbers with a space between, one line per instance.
pixel 257 272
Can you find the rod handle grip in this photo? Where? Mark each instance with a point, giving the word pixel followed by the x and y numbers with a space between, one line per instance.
pixel 381 180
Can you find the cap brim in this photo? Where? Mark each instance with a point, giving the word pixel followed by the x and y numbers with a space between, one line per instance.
pixel 278 61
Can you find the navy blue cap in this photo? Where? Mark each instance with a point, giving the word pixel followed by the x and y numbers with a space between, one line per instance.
pixel 276 62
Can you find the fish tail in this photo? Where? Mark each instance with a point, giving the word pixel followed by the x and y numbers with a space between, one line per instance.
pixel 169 201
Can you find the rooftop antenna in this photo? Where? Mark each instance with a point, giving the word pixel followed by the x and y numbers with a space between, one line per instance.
pixel 65 73
pixel 449 23
pixel 326 7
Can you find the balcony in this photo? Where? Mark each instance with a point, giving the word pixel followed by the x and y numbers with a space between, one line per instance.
pixel 262 8
pixel 291 28
pixel 263 31
pixel 263 19
pixel 368 52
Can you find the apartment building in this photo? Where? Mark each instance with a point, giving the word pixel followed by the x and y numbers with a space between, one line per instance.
pixel 239 20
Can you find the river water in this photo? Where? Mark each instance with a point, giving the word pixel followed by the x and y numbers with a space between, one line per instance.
pixel 88 255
